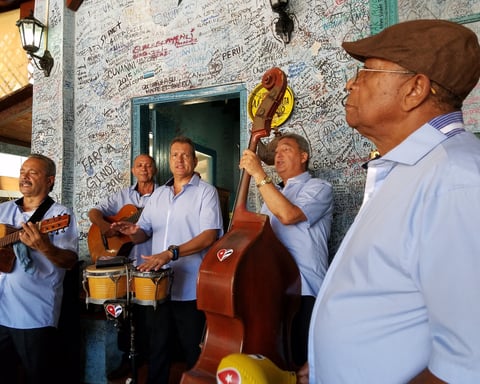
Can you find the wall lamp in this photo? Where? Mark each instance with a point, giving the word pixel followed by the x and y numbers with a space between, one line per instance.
pixel 284 24
pixel 31 33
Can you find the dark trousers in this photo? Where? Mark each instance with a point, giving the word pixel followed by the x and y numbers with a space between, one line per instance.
pixel 300 325
pixel 161 333
pixel 37 351
pixel 150 326
pixel 189 324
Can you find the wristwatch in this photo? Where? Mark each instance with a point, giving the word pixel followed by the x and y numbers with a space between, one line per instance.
pixel 266 180
pixel 175 251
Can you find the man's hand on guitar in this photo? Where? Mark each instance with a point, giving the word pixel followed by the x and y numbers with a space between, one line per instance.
pixel 125 227
pixel 107 230
pixel 32 238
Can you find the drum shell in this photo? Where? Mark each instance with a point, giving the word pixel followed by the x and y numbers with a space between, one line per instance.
pixel 105 283
pixel 151 288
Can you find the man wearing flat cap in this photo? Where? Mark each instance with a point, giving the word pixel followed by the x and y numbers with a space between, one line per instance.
pixel 400 302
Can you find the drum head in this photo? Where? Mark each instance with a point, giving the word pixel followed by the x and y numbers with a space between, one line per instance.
pixel 152 274
pixel 93 270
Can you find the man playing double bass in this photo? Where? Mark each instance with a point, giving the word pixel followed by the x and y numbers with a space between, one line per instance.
pixel 300 210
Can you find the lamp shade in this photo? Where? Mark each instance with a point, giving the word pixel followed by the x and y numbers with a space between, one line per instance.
pixel 31 33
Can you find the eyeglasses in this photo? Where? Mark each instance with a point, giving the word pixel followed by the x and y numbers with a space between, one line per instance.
pixel 398 72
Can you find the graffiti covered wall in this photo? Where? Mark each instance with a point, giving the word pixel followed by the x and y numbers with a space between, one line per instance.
pixel 110 51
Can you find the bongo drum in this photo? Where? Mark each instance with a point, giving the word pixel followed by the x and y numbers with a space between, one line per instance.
pixel 151 288
pixel 103 284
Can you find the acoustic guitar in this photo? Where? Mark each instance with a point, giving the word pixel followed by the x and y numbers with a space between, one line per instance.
pixel 118 245
pixel 10 235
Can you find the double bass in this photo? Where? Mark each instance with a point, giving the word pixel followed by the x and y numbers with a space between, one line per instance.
pixel 248 283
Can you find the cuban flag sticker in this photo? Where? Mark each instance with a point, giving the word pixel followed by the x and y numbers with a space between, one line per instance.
pixel 114 310
pixel 229 376
pixel 223 254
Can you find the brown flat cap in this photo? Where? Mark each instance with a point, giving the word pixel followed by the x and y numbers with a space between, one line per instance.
pixel 448 53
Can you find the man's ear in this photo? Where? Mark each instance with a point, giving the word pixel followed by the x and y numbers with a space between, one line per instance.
pixel 416 91
pixel 304 157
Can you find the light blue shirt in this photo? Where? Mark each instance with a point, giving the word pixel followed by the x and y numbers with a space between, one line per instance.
pixel 33 299
pixel 176 219
pixel 307 241
pixel 114 203
pixel 403 291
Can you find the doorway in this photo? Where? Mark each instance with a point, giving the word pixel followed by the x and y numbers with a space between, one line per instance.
pixel 211 117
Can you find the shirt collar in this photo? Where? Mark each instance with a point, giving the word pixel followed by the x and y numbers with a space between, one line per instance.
pixel 449 124
pixel 194 180
pixel 135 187
pixel 301 178
pixel 424 139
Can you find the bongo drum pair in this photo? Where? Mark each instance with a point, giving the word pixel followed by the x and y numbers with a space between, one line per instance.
pixel 143 288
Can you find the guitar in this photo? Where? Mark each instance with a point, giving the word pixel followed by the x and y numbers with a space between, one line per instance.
pixel 119 245
pixel 10 235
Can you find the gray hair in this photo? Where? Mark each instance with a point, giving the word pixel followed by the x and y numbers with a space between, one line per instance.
pixel 301 142
pixel 50 167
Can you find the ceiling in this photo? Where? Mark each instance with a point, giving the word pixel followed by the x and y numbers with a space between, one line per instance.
pixel 8 5
pixel 16 108
pixel 16 117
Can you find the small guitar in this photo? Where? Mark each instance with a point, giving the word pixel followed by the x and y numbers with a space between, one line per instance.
pixel 120 245
pixel 10 235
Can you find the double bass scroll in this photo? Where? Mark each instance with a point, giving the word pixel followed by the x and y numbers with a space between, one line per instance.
pixel 275 81
pixel 248 283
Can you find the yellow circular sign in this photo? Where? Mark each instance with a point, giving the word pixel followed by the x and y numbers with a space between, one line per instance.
pixel 284 110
